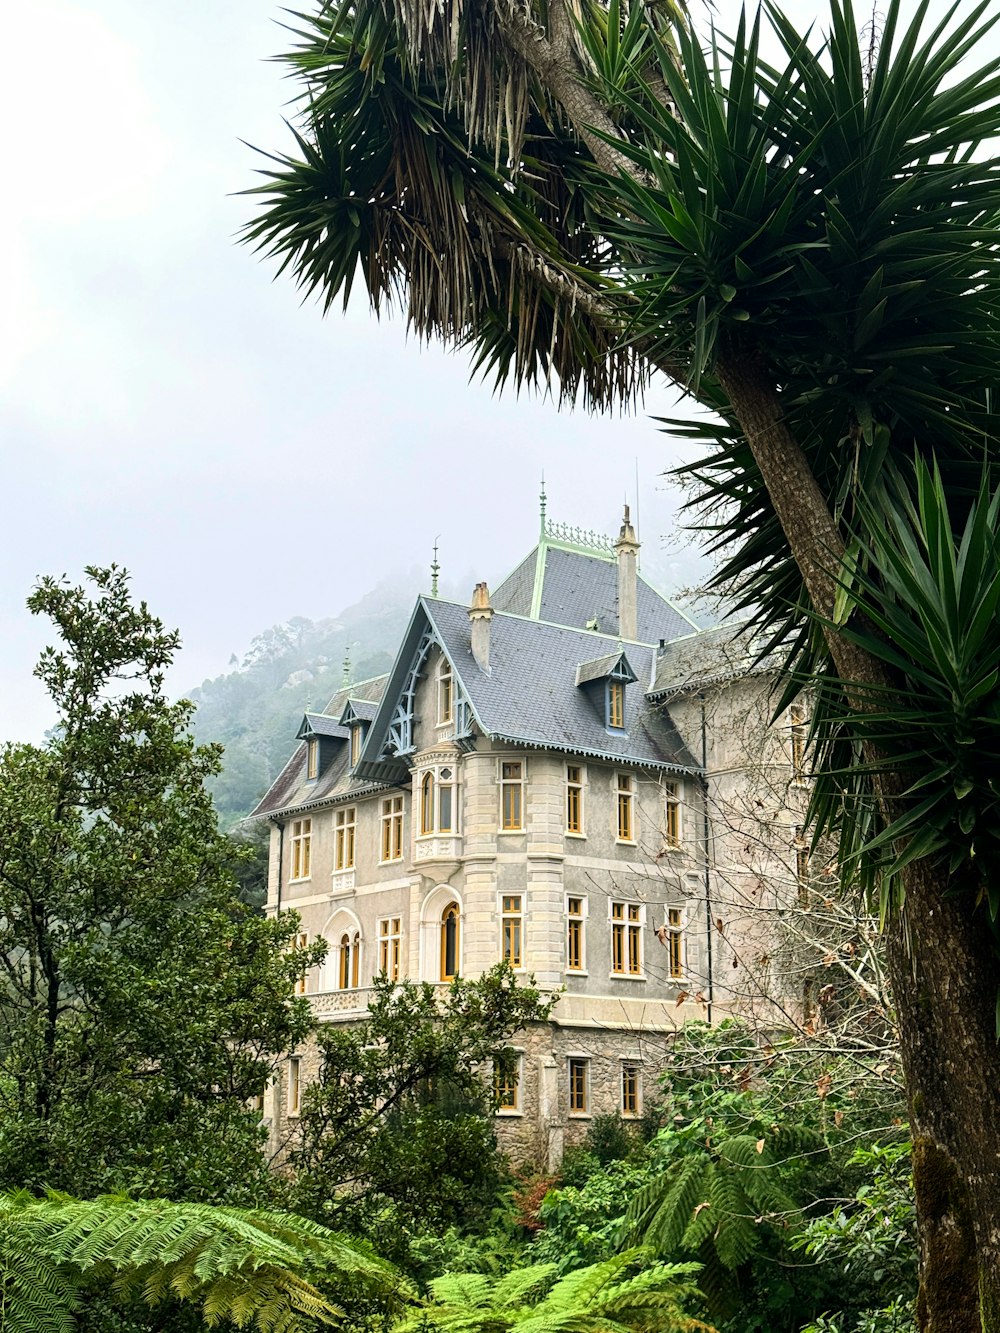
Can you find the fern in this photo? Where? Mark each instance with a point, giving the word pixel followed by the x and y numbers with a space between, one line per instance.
pixel 250 1268
pixel 659 1219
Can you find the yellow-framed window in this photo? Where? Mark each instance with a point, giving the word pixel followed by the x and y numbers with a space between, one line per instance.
pixel 301 848
pixel 300 941
pixel 512 929
pixel 675 942
pixel 630 1088
pixel 574 798
pixel 579 1090
pixel 390 938
pixel 312 760
pixel 574 934
pixel 356 738
pixel 345 823
pixel 616 705
pixel 671 814
pixel 450 942
pixel 294 1097
pixel 427 803
pixel 392 828
pixel 445 695
pixel 625 808
pixel 626 939
pixel 507 1084
pixel 446 801
pixel 512 795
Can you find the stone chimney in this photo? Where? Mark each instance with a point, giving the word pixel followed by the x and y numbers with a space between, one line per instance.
pixel 627 551
pixel 480 615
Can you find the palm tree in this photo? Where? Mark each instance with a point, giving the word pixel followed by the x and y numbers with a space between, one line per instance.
pixel 584 199
pixel 617 1296
pixel 251 1268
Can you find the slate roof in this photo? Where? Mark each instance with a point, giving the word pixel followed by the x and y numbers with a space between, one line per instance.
pixel 601 667
pixel 578 588
pixel 530 696
pixel 319 724
pixel 292 791
pixel 363 709
pixel 704 658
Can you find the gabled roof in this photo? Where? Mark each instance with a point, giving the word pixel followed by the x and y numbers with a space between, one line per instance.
pixel 530 697
pixel 320 724
pixel 292 791
pixel 705 658
pixel 358 710
pixel 600 668
pixel 575 585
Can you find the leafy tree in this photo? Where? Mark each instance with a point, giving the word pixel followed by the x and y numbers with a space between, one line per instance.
pixel 584 198
pixel 608 1297
pixel 240 1267
pixel 396 1134
pixel 142 1004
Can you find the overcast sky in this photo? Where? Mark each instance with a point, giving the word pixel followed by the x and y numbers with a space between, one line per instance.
pixel 165 405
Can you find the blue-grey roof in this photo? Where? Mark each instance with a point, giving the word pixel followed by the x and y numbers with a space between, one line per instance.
pixel 579 588
pixel 601 667
pixel 531 696
pixel 704 658
pixel 320 724
pixel 359 710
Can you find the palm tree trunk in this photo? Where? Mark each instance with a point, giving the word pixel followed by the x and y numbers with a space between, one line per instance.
pixel 943 969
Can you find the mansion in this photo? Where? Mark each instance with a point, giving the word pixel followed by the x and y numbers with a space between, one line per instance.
pixel 566 774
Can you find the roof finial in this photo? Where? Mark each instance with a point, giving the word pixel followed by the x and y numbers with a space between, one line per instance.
pixel 347 668
pixel 541 505
pixel 435 569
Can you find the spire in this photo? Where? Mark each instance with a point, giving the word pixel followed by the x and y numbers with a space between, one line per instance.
pixel 346 679
pixel 435 570
pixel 541 506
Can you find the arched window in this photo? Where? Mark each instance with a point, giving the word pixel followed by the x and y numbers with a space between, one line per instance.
pixel 344 978
pixel 449 942
pixel 427 803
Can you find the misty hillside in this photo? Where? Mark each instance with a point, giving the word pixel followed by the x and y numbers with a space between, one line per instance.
pixel 254 710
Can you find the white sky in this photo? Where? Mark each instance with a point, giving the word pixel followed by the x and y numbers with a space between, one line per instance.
pixel 165 405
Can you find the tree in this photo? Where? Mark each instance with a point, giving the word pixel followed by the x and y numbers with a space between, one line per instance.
pixel 582 198
pixel 142 1005
pixel 396 1133
pixel 242 1267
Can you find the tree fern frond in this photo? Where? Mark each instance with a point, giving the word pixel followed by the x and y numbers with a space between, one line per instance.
pixel 661 1226
pixel 523 1284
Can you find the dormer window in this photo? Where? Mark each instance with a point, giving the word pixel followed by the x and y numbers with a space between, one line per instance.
pixel 312 760
pixel 616 705
pixel 356 738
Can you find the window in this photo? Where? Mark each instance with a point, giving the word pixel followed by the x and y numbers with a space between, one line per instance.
pixel 449 942
pixel 507 1083
pixel 574 798
pixel 512 918
pixel 301 848
pixel 802 867
pixel 345 826
pixel 390 937
pixel 350 961
pixel 675 942
pixel 300 942
pixel 446 694
pixel 294 1085
pixel 616 705
pixel 427 803
pixel 446 811
pixel 437 802
pixel 312 760
pixel 579 1079
pixel 626 796
pixel 671 815
pixel 355 744
pixel 626 939
pixel 797 743
pixel 630 1088
pixel 512 796
pixel 392 828
pixel 575 911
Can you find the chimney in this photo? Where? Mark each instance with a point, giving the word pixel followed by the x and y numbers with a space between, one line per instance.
pixel 627 551
pixel 480 615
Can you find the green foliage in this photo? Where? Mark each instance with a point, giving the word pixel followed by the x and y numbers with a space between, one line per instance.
pixel 396 1134
pixel 144 1004
pixel 624 1292
pixel 244 1268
